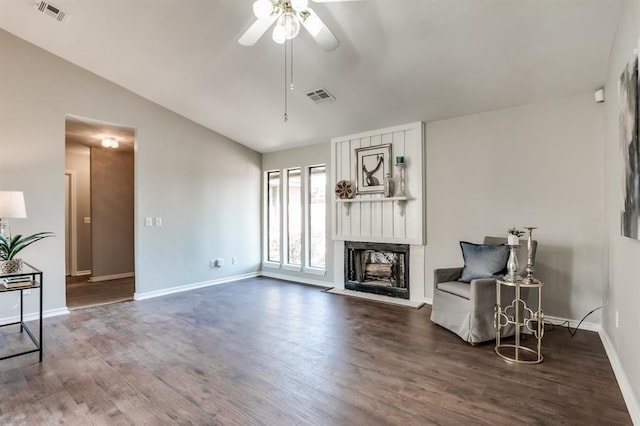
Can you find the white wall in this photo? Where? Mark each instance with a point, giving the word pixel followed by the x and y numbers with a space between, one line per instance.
pixel 534 165
pixel 381 220
pixel 304 157
pixel 204 186
pixel 623 291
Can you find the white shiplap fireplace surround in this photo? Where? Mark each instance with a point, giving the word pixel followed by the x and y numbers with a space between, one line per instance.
pixel 374 218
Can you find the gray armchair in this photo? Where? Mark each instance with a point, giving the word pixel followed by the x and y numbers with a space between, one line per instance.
pixel 467 309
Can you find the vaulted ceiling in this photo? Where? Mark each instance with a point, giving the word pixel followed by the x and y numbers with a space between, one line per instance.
pixel 399 61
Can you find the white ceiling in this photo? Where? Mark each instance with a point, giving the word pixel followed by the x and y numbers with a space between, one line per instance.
pixel 399 61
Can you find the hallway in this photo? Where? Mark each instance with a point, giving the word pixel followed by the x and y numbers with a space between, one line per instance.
pixel 82 294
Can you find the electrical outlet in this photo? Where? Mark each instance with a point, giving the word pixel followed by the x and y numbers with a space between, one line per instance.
pixel 87 220
pixel 234 260
pixel 617 319
pixel 216 263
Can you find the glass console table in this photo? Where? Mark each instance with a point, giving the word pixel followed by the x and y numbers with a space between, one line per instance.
pixel 520 316
pixel 35 282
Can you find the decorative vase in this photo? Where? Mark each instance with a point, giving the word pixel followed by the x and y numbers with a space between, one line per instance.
pixel 388 186
pixel 10 266
pixel 512 265
pixel 513 240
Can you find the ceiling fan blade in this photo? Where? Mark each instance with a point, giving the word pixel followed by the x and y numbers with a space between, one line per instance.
pixel 318 30
pixel 257 29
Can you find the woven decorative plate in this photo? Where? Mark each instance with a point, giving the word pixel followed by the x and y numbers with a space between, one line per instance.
pixel 344 189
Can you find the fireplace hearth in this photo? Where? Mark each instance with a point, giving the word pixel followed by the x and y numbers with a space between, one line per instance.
pixel 377 268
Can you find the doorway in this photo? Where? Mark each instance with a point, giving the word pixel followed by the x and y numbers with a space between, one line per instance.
pixel 99 212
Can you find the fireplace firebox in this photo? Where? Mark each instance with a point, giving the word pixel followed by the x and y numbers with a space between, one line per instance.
pixel 377 268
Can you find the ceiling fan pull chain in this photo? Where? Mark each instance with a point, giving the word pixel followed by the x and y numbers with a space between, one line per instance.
pixel 291 59
pixel 286 117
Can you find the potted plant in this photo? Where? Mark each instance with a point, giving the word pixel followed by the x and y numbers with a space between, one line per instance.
pixel 514 236
pixel 11 246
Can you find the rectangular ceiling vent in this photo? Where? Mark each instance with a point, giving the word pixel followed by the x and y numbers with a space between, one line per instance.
pixel 51 10
pixel 321 96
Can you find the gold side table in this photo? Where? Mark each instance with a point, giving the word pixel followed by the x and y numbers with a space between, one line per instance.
pixel 520 316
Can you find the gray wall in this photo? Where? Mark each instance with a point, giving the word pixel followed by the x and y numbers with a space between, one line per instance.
pixel 304 157
pixel 204 186
pixel 77 158
pixel 112 188
pixel 534 165
pixel 623 291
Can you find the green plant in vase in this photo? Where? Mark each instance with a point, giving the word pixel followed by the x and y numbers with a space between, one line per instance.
pixel 11 246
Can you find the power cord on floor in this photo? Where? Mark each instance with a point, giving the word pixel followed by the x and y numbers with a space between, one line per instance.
pixel 567 323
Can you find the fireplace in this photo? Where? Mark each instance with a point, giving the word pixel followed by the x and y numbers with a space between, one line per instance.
pixel 377 268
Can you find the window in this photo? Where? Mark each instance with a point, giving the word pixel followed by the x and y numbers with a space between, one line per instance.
pixel 273 216
pixel 294 217
pixel 316 220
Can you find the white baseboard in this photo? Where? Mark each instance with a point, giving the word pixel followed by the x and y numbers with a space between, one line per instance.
pixel 80 273
pixel 297 279
pixel 630 398
pixel 187 287
pixel 34 316
pixel 428 301
pixel 112 277
pixel 589 326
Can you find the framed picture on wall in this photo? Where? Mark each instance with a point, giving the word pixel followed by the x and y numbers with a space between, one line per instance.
pixel 628 87
pixel 372 165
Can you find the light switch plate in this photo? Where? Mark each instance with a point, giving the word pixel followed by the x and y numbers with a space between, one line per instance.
pixel 87 220
pixel 158 221
pixel 148 221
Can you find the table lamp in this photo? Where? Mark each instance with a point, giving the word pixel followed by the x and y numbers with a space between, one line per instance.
pixel 11 206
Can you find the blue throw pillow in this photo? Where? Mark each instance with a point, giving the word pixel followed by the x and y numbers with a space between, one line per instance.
pixel 483 260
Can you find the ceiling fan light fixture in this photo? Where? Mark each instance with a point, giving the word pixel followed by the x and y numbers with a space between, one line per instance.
pixel 289 21
pixel 299 5
pixel 279 34
pixel 263 8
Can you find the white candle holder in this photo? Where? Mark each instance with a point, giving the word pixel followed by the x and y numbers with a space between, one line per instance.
pixel 529 269
pixel 400 192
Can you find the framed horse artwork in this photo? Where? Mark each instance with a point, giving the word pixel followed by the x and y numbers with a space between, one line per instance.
pixel 372 165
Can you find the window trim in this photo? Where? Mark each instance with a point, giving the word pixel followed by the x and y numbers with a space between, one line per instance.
pixel 307 227
pixel 265 246
pixel 285 222
pixel 305 210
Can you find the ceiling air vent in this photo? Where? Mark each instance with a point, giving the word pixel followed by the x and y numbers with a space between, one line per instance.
pixel 320 96
pixel 51 10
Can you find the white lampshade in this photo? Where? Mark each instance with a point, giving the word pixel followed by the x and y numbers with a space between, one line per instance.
pixel 12 204
pixel 262 8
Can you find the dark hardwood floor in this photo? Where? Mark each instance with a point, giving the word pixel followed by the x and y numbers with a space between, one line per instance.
pixel 81 293
pixel 262 351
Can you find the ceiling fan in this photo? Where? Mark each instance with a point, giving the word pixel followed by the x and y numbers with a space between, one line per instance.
pixel 288 15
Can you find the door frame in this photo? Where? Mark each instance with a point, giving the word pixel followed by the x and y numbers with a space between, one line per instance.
pixel 73 223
